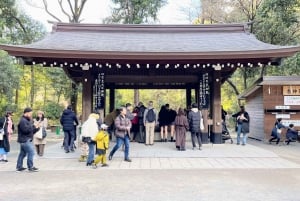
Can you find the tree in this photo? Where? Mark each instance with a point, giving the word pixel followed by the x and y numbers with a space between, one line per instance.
pixel 135 11
pixel 72 11
pixel 278 23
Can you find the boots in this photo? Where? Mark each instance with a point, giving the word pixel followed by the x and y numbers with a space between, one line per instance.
pixel 41 148
pixel 37 149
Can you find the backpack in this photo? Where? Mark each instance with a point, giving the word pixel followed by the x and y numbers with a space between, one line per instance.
pixel 150 117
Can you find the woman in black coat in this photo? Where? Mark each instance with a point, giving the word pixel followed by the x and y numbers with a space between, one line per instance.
pixel 163 123
pixel 7 124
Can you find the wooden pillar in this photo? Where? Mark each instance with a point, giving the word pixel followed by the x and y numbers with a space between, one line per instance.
pixel 111 100
pixel 188 93
pixel 216 108
pixel 87 94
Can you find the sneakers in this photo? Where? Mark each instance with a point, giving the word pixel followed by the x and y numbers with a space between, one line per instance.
pixel 20 169
pixel 110 157
pixel 33 169
pixel 128 160
pixel 104 165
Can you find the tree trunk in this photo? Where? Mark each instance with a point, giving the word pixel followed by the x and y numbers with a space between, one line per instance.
pixel 32 86
pixel 136 97
pixel 74 96
pixel 17 97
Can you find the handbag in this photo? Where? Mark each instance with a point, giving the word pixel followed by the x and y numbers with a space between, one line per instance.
pixel 2 132
pixel 39 134
pixel 44 132
pixel 86 139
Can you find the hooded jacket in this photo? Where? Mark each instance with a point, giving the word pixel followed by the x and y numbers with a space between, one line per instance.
pixel 90 127
pixel 102 140
pixel 26 129
pixel 67 120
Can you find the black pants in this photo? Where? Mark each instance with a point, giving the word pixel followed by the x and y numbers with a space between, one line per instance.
pixel 198 136
pixel 274 138
pixel 142 133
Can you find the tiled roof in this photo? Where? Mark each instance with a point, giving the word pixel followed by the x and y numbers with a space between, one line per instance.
pixel 126 38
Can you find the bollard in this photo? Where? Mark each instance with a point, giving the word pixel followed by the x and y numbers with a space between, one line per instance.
pixel 57 130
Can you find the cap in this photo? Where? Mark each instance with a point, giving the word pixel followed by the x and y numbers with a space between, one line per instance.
pixel 28 109
pixel 104 126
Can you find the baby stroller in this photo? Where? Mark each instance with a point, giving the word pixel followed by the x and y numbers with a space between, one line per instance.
pixel 225 133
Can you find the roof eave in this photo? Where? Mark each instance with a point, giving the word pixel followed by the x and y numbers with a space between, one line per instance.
pixel 19 51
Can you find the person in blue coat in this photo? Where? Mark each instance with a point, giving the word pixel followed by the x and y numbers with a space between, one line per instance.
pixel 276 131
pixel 67 121
pixel 291 134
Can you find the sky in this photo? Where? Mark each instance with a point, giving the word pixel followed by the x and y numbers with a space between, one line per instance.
pixel 96 10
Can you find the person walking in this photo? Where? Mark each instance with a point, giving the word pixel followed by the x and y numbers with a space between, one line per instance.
pixel 150 120
pixel 26 129
pixel 8 127
pixel 196 125
pixel 67 120
pixel 40 142
pixel 89 130
pixel 243 120
pixel 122 132
pixel 102 142
pixel 276 131
pixel 181 126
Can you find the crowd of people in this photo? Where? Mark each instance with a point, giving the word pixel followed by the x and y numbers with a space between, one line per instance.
pixel 127 124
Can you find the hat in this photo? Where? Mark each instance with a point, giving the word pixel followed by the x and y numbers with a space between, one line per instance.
pixel 194 105
pixel 28 109
pixel 104 126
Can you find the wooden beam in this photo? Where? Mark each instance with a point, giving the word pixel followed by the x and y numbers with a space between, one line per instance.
pixel 87 94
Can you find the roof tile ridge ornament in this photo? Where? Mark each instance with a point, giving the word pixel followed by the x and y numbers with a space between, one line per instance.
pixel 84 27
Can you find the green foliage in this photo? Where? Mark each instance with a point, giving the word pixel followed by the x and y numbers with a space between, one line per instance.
pixel 9 81
pixel 53 110
pixel 175 97
pixel 278 22
pixel 135 11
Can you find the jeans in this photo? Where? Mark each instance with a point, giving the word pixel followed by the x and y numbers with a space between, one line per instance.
pixel 120 142
pixel 69 140
pixel 26 148
pixel 91 152
pixel 239 131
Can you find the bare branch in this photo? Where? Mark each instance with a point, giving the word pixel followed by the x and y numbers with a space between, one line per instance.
pixel 81 7
pixel 49 13
pixel 71 8
pixel 63 10
pixel 233 87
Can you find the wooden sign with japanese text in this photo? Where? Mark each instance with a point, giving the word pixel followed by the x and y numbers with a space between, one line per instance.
pixel 291 90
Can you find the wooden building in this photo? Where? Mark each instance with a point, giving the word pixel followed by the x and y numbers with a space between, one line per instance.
pixel 272 97
pixel 190 57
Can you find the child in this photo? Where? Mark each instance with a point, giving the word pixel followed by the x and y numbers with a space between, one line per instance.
pixel 291 134
pixel 102 142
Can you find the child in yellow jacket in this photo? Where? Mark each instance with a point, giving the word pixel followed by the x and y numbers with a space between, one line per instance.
pixel 102 142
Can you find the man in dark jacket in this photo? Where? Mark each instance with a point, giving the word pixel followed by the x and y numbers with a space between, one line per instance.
pixel 194 118
pixel 67 120
pixel 26 129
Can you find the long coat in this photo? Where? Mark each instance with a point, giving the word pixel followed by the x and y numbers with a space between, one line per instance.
pixel 181 126
pixel 5 142
pixel 38 141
